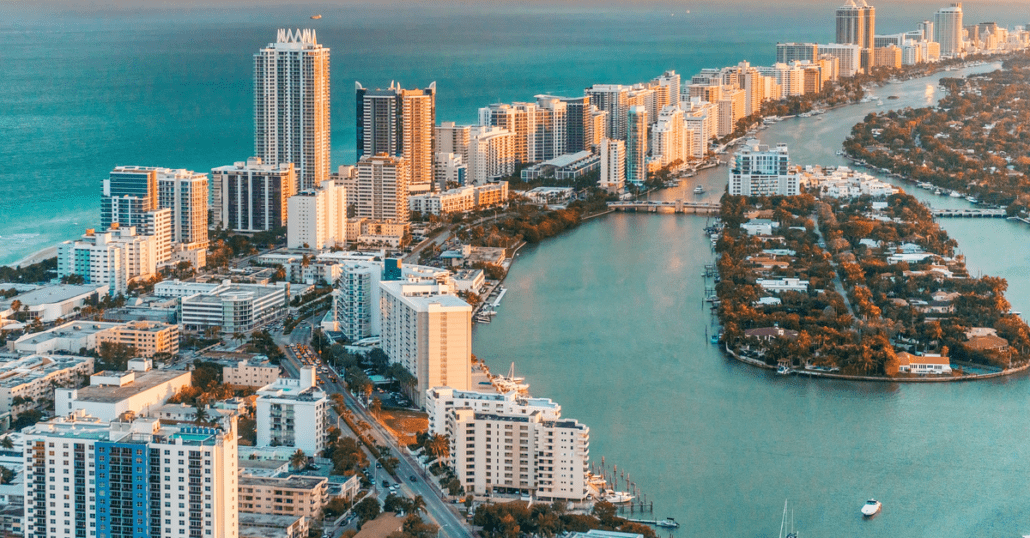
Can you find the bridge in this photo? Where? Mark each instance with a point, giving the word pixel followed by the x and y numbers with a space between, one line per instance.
pixel 676 206
pixel 969 213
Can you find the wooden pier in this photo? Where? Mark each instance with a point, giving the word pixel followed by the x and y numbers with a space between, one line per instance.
pixel 676 206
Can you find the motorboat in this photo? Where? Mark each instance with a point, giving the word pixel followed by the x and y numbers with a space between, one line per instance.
pixel 937 192
pixel 668 523
pixel 617 497
pixel 871 507
pixel 783 369
pixel 699 189
pixel 316 17
pixel 972 200
pixel 955 194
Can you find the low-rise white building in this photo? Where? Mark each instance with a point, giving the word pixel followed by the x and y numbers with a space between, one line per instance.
pixel 112 258
pixel 783 284
pixel 843 182
pixel 759 226
pixel 294 413
pixel 112 394
pixel 230 307
pixel 72 337
pixel 52 302
pixel 441 401
pixel 248 374
pixel 34 377
pixel 318 217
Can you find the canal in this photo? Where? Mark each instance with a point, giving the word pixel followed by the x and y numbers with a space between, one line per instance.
pixel 608 320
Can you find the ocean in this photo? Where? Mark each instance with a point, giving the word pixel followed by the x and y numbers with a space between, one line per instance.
pixel 86 87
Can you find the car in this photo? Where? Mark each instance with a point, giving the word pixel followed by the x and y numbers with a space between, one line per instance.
pixel 395 487
pixel 379 465
pixel 386 483
pixel 412 478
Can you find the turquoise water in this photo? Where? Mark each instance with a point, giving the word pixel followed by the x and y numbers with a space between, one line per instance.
pixel 86 88
pixel 609 321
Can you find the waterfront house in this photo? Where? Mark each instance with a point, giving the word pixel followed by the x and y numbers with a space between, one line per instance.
pixel 932 307
pixel 988 342
pixel 932 364
pixel 783 284
pixel 760 226
pixel 973 332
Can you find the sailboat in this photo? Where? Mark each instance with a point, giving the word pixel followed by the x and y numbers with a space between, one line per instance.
pixel 783 523
pixel 510 382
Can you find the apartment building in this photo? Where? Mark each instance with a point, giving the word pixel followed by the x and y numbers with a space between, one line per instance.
pixel 318 217
pixel 248 373
pixel 291 496
pixel 110 395
pixel 33 377
pixel 251 196
pixel 759 170
pixel 293 413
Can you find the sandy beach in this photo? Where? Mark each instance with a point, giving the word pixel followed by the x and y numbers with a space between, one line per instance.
pixel 38 256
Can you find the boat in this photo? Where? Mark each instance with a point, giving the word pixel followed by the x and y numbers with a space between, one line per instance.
pixel 668 523
pixel 699 189
pixel 783 523
pixel 871 507
pixel 937 192
pixel 617 497
pixel 894 97
pixel 783 369
pixel 316 17
pixel 972 200
pixel 879 102
pixel 955 194
pixel 509 383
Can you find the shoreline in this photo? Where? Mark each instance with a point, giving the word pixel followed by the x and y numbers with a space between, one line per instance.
pixel 40 255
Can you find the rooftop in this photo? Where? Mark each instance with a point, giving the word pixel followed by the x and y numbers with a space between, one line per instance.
pixel 32 367
pixel 271 465
pixel 291 482
pixel 144 381
pixel 51 294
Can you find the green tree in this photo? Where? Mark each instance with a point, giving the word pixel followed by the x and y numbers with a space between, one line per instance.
pixel 367 510
pixel 298 460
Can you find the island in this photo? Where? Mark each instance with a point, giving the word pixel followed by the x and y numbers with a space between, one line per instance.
pixel 863 287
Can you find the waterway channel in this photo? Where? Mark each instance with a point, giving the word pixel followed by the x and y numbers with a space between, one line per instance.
pixel 608 320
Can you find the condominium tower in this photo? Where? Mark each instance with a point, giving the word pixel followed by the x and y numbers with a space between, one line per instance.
pixel 382 189
pixel 947 27
pixel 856 23
pixel 251 196
pixel 291 105
pixel 399 123
pixel 428 330
pixel 134 479
pixel 758 170
pixel 636 145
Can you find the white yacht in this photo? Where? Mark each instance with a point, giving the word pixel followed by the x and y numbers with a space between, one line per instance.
pixel 955 194
pixel 617 497
pixel 871 507
pixel 699 189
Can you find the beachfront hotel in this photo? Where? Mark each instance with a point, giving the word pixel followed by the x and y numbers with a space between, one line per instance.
pixel 428 330
pixel 399 123
pixel 140 478
pixel 250 196
pixel 291 105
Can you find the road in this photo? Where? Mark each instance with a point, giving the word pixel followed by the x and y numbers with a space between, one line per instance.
pixel 438 511
pixel 837 284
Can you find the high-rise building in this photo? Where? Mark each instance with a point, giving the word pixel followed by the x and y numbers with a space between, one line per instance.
pixel 947 27
pixel 318 217
pixel 850 57
pixel 577 123
pixel 760 171
pixel 636 145
pixel 667 90
pixel 754 89
pixel 550 456
pixel 669 143
pixel 926 31
pixel 451 138
pixel 449 168
pixel 121 478
pixel 130 198
pixel 851 24
pixel 428 330
pixel 597 125
pixel 399 123
pixel 356 300
pixel 291 105
pixel 491 154
pixel 889 56
pixel 251 196
pixel 382 192
pixel 293 413
pixel 613 165
pixel 516 120
pixel 549 134
pixel 796 52
pixel 612 99
pixel 702 119
pixel 186 194
pixel 731 110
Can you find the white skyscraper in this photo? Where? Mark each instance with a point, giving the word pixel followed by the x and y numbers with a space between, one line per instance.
pixel 428 331
pixel 291 105
pixel 947 28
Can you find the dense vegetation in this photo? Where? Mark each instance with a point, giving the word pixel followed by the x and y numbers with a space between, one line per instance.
pixel 516 519
pixel 859 333
pixel 976 141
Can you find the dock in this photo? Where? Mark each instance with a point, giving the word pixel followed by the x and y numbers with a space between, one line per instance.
pixel 677 206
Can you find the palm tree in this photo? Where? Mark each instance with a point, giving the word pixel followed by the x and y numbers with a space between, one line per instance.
pixel 6 442
pixel 299 459
pixel 376 407
pixel 438 446
pixel 418 504
pixel 201 413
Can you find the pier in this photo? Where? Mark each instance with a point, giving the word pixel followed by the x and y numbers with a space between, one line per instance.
pixel 677 206
pixel 969 213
